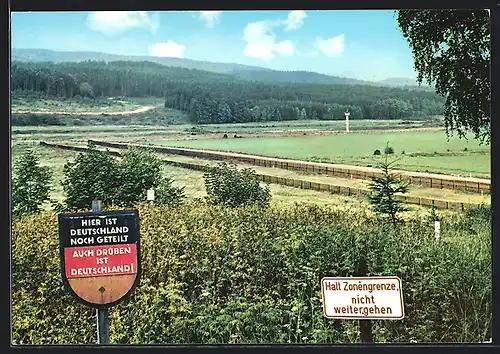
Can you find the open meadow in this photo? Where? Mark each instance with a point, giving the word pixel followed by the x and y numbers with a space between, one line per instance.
pixel 319 141
pixel 191 180
pixel 194 185
pixel 424 151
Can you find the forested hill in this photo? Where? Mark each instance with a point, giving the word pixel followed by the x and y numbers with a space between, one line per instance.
pixel 46 55
pixel 211 97
pixel 244 71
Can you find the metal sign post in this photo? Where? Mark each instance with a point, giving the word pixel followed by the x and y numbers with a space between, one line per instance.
pixel 102 314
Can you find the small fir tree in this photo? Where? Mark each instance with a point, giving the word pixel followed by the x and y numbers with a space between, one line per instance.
pixel 384 188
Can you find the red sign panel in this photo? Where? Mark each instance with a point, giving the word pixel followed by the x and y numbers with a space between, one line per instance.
pixel 95 261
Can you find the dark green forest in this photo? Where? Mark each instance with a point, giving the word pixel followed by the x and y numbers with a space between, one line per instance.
pixel 210 97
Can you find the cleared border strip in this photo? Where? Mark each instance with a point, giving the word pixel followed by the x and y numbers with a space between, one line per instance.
pixel 304 184
pixel 436 181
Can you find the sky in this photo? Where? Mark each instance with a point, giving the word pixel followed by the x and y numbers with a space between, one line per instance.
pixel 361 44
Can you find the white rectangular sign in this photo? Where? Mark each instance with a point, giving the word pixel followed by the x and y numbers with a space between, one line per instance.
pixel 363 298
pixel 150 194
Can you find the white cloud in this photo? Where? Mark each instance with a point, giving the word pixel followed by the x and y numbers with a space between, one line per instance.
pixel 167 49
pixel 295 20
pixel 261 42
pixel 331 47
pixel 114 22
pixel 285 48
pixel 210 17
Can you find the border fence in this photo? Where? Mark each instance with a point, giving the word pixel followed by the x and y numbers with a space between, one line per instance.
pixel 298 183
pixel 428 180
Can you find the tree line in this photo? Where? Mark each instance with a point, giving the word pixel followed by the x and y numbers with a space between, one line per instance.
pixel 222 98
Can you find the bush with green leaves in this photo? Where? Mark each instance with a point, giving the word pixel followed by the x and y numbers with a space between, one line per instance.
pixel 139 170
pixel 388 149
pixel 30 184
pixel 97 174
pixel 94 174
pixel 227 185
pixel 168 194
pixel 251 275
pixel 384 188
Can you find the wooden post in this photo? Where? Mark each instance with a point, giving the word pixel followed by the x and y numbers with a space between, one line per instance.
pixel 365 326
pixel 102 314
pixel 437 228
pixel 150 195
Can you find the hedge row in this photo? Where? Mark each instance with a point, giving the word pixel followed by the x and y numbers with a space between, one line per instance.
pixel 251 275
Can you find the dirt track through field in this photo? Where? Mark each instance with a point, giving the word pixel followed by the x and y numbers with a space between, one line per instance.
pixel 66 113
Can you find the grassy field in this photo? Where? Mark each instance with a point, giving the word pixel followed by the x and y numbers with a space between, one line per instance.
pixel 80 106
pixel 282 195
pixel 191 180
pixel 243 128
pixel 418 191
pixel 96 116
pixel 194 184
pixel 417 151
pixel 310 125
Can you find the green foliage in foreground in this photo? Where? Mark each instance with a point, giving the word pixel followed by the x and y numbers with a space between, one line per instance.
pixel 451 50
pixel 30 184
pixel 252 275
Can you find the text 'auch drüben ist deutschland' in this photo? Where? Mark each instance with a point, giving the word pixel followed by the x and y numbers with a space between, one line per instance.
pixel 363 298
pixel 99 246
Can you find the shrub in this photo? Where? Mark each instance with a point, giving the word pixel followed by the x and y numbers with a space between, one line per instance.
pixel 227 185
pixel 138 171
pixel 388 149
pixel 376 152
pixel 481 211
pixel 96 174
pixel 251 275
pixel 30 185
pixel 166 193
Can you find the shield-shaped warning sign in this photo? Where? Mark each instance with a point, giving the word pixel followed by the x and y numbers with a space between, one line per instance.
pixel 100 255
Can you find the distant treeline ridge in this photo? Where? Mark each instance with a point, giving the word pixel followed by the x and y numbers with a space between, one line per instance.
pixel 222 98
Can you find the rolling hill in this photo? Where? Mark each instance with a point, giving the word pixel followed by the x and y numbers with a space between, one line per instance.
pixel 243 71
